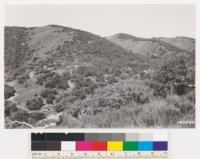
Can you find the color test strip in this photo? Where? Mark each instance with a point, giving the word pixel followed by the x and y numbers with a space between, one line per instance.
pixel 68 146
pixel 99 146
pixel 91 146
pixel 99 142
pixel 39 146
pixel 160 146
pixel 54 146
pixel 114 146
pixel 130 146
pixel 145 146
pixel 145 137
pixel 132 137
pixel 99 137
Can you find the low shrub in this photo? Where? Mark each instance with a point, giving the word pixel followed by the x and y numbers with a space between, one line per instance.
pixel 10 107
pixel 8 91
pixel 158 113
pixel 49 95
pixel 22 78
pixel 35 104
pixel 20 115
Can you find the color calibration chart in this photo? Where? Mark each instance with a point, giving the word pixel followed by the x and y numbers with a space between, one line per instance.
pixel 99 146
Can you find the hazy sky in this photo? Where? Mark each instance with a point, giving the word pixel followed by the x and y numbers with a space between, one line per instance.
pixel 105 20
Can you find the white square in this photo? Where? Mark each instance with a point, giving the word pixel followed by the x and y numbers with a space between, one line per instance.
pixel 160 137
pixel 68 146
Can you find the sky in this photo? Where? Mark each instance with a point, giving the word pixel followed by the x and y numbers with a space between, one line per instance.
pixel 161 20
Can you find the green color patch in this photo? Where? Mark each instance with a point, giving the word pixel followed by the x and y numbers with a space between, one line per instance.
pixel 130 146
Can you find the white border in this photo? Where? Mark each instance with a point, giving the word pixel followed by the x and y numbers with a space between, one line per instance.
pixel 118 2
pixel 177 135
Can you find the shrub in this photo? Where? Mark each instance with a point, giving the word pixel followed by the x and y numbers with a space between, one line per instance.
pixel 175 72
pixel 43 76
pixel 36 116
pixel 10 107
pixel 9 91
pixel 46 92
pixel 182 103
pixel 35 103
pixel 22 78
pixel 111 79
pixel 82 70
pixel 20 115
pixel 56 81
pixel 66 75
pixel 79 93
pixel 59 107
pixel 117 72
pixel 158 113
pixel 49 95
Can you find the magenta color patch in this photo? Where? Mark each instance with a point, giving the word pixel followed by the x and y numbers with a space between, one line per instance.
pixel 83 146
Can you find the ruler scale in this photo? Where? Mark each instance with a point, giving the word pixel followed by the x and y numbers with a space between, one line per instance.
pixel 99 146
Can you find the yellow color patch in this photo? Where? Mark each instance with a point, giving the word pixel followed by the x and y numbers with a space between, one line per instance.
pixel 114 146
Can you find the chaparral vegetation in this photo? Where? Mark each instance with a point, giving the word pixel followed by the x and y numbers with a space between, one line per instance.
pixel 60 77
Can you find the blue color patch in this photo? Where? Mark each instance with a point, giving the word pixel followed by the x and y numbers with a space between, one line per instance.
pixel 145 146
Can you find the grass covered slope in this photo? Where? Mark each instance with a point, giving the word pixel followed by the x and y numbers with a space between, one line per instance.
pixel 185 43
pixel 153 47
pixel 58 76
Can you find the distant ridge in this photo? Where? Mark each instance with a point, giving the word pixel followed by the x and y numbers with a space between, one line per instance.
pixel 151 45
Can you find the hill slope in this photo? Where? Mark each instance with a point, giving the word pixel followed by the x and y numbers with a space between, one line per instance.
pixel 184 43
pixel 152 47
pixel 58 76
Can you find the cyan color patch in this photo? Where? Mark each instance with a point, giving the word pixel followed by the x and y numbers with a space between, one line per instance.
pixel 145 146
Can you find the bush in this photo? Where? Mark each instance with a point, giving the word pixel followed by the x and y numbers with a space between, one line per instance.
pixel 114 96
pixel 22 78
pixel 56 81
pixel 117 72
pixel 158 113
pixel 79 93
pixel 9 91
pixel 110 79
pixel 49 95
pixel 10 107
pixel 175 72
pixel 20 115
pixel 66 75
pixel 35 104
pixel 183 104
pixel 43 76
pixel 46 92
pixel 36 116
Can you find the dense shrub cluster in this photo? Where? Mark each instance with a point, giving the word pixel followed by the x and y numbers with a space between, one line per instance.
pixel 174 76
pixel 113 96
pixel 10 107
pixel 49 95
pixel 53 80
pixel 35 103
pixel 22 78
pixel 8 91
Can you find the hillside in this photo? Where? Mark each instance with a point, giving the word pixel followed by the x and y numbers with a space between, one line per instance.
pixel 58 76
pixel 152 47
pixel 184 43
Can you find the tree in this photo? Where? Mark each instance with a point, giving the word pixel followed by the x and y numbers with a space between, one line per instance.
pixel 175 72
